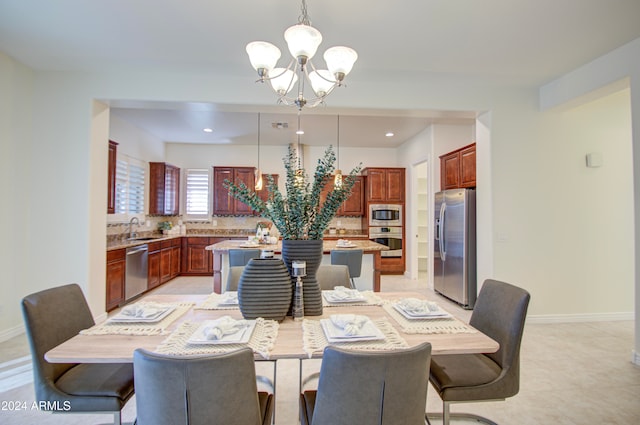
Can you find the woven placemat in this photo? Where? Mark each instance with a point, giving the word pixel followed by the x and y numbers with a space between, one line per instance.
pixel 370 299
pixel 139 328
pixel 445 325
pixel 213 303
pixel 262 340
pixel 314 339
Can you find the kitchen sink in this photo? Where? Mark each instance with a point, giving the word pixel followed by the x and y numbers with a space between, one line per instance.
pixel 149 238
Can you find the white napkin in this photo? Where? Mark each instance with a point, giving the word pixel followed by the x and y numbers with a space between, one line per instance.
pixel 229 297
pixel 344 293
pixel 142 310
pixel 417 306
pixel 221 327
pixel 351 324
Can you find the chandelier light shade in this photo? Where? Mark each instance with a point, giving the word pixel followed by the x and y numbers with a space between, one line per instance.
pixel 303 41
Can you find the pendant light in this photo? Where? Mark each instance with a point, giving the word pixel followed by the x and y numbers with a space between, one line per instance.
pixel 337 180
pixel 258 173
pixel 299 177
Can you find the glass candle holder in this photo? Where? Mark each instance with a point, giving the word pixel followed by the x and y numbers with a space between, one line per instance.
pixel 299 268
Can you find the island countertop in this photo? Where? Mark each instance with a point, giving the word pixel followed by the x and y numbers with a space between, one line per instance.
pixel 327 246
pixel 371 250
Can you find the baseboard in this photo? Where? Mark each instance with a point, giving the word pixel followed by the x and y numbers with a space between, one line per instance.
pixel 7 334
pixel 573 318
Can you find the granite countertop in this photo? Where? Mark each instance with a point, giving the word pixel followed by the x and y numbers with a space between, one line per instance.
pixel 222 233
pixel 327 246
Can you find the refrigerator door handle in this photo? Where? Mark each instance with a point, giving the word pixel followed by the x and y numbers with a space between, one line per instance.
pixel 440 233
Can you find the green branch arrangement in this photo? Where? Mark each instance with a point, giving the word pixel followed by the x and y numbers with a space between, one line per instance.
pixel 300 213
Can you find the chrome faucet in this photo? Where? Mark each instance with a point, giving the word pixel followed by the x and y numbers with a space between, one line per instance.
pixel 132 234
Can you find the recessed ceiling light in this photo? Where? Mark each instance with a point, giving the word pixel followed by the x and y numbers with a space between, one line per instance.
pixel 389 134
pixel 208 130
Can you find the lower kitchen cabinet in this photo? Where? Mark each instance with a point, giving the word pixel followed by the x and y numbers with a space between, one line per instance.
pixel 196 260
pixel 116 265
pixel 153 275
pixel 169 259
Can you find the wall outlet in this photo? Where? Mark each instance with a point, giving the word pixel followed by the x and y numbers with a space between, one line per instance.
pixel 214 222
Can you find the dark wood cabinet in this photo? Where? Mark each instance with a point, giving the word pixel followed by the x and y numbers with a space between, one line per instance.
pixel 264 192
pixel 111 178
pixel 458 168
pixel 196 260
pixel 116 268
pixel 153 275
pixel 164 189
pixel 223 202
pixel 352 206
pixel 384 185
pixel 170 259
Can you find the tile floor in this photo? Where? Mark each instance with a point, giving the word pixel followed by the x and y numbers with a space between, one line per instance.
pixel 571 374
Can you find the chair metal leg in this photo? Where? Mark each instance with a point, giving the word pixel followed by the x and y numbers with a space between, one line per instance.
pixel 353 284
pixel 447 416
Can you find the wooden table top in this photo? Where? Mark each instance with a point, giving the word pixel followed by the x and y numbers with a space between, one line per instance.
pixel 289 345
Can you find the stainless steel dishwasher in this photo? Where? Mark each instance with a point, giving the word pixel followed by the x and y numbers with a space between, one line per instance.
pixel 136 271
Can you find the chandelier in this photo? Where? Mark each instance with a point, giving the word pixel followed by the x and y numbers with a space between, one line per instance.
pixel 303 41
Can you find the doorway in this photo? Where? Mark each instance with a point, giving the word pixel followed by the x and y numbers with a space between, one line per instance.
pixel 420 267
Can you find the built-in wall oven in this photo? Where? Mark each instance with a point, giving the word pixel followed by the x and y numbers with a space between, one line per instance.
pixel 385 215
pixel 390 236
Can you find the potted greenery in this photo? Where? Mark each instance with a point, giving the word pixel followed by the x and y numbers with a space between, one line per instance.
pixel 300 215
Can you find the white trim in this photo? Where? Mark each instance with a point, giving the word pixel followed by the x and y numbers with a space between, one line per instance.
pixel 7 334
pixel 587 317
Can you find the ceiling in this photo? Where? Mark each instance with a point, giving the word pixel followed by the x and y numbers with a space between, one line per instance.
pixel 515 42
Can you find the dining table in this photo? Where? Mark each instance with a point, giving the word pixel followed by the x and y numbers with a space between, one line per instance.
pixel 271 340
pixel 105 347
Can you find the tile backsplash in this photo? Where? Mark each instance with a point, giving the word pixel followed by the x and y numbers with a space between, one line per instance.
pixel 218 225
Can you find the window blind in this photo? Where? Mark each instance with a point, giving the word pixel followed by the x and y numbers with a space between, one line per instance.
pixel 130 180
pixel 197 192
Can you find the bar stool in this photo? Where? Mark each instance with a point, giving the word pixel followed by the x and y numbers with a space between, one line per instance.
pixel 352 258
pixel 240 257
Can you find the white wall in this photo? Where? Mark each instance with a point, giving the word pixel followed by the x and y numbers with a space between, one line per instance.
pixel 134 142
pixel 16 84
pixel 60 149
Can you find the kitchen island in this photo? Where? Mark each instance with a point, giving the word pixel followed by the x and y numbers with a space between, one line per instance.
pixel 371 265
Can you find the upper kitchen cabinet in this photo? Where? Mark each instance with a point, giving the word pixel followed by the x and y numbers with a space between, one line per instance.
pixel 353 206
pixel 111 179
pixel 384 185
pixel 223 202
pixel 164 189
pixel 264 192
pixel 458 168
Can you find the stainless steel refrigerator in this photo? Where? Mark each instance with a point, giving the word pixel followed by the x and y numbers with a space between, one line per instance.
pixel 455 246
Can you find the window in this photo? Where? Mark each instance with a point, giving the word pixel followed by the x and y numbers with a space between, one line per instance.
pixel 197 193
pixel 130 181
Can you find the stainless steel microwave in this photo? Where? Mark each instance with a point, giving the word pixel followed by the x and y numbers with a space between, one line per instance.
pixel 385 215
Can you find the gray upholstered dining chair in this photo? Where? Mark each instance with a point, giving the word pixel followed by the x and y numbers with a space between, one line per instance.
pixel 198 390
pixel 329 276
pixel 364 388
pixel 352 258
pixel 500 313
pixel 52 317
pixel 233 278
pixel 240 257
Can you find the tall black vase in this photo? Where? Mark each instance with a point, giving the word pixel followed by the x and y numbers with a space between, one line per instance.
pixel 309 251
